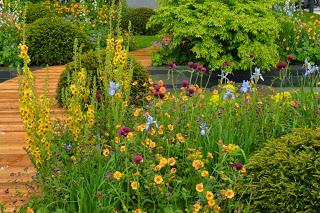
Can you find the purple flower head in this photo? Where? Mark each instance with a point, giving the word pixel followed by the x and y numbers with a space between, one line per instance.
pixel 290 57
pixel 138 159
pixel 191 90
pixel 195 65
pixel 190 64
pixel 98 96
pixel 238 166
pixel 282 65
pixel 185 83
pixel 124 131
pixel 172 64
pixel 226 64
pixel 203 70
pixel 67 146
pixel 199 67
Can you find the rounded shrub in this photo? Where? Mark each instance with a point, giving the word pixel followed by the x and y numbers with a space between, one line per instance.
pixel 90 61
pixel 37 11
pixel 284 176
pixel 51 40
pixel 139 18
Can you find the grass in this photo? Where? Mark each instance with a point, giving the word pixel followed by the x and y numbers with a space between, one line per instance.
pixel 142 41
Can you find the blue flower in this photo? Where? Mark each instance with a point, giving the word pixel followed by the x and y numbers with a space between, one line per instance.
pixel 277 8
pixel 257 75
pixel 150 121
pixel 245 87
pixel 224 75
pixel 203 129
pixel 309 68
pixel 229 94
pixel 67 146
pixel 113 88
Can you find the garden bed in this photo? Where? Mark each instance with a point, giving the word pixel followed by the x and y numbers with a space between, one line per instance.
pixel 181 73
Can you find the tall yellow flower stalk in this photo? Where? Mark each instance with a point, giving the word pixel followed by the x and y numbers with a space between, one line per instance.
pixel 35 114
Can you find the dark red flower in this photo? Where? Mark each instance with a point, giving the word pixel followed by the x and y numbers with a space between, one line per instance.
pixel 226 64
pixel 172 64
pixel 157 87
pixel 290 57
pixel 185 83
pixel 124 131
pixel 191 90
pixel 238 166
pixel 282 65
pixel 190 64
pixel 138 159
pixel 195 65
pixel 98 96
pixel 203 70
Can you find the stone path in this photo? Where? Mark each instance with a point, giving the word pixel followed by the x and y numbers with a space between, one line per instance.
pixel 16 170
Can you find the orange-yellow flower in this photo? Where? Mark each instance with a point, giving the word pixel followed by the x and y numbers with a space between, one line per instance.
pixel 117 175
pixel 122 148
pixel 209 195
pixel 158 179
pixel 229 193
pixel 196 207
pixel 211 203
pixel 216 209
pixel 173 170
pixel 134 185
pixel 170 127
pixel 163 162
pixel 171 161
pixel 157 168
pixel 30 210
pixel 204 173
pixel 106 152
pixel 197 164
pixel 180 138
pixel 199 187
pixel 117 140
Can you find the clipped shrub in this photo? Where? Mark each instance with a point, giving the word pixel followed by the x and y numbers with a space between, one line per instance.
pixel 284 176
pixel 90 61
pixel 139 18
pixel 37 11
pixel 242 32
pixel 50 40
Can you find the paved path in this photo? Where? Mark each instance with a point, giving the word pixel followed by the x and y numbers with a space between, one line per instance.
pixel 16 170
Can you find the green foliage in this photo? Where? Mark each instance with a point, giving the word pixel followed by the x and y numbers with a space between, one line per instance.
pixel 284 176
pixel 243 32
pixel 90 61
pixel 139 18
pixel 37 11
pixel 50 40
pixel 9 40
pixel 139 42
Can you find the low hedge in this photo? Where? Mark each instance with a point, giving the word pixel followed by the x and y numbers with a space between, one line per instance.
pixel 51 40
pixel 284 176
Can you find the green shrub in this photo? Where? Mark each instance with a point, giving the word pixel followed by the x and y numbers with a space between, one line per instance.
pixel 37 11
pixel 284 176
pixel 9 40
pixel 242 32
pixel 139 18
pixel 90 61
pixel 50 40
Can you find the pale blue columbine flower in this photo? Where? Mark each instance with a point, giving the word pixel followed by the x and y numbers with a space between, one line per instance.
pixel 245 87
pixel 150 121
pixel 203 129
pixel 289 8
pixel 224 75
pixel 277 8
pixel 257 75
pixel 113 88
pixel 309 68
pixel 229 94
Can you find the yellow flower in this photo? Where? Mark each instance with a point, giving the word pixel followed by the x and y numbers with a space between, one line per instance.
pixel 130 135
pixel 197 164
pixel 73 89
pixel 149 98
pixel 173 170
pixel 117 175
pixel 136 112
pixel 163 162
pixel 204 173
pixel 281 96
pixel 230 86
pixel 199 187
pixel 168 115
pixel 211 203
pixel 106 152
pixel 170 127
pixel 122 148
pixel 158 179
pixel 210 155
pixel 185 98
pixel 216 209
pixel 180 138
pixel 134 185
pixel 229 193
pixel 157 168
pixel 209 195
pixel 138 211
pixel 30 210
pixel 117 140
pixel 152 144
pixel 171 161
pixel 160 130
pixel 196 207
pixel 134 83
pixel 73 158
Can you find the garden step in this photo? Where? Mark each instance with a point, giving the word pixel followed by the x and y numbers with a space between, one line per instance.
pixel 15 160
pixel 12 148
pixel 12 128
pixel 8 137
pixel 13 174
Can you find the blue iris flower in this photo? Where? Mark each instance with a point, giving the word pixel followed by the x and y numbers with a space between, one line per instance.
pixel 150 121
pixel 309 68
pixel 229 94
pixel 224 75
pixel 113 88
pixel 257 75
pixel 245 87
pixel 67 146
pixel 203 129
